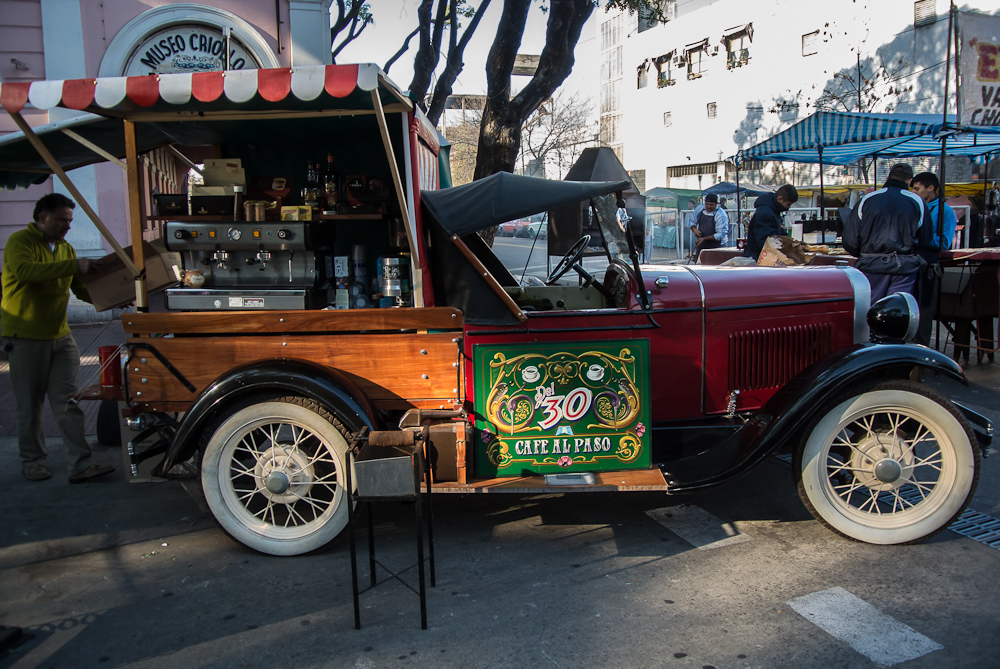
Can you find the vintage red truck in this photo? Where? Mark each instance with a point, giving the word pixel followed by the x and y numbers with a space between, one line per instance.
pixel 634 377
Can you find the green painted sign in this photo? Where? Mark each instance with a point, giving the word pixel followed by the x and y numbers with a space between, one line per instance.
pixel 566 407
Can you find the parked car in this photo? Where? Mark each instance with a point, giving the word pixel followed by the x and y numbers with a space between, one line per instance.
pixel 508 228
pixel 538 229
pixel 523 229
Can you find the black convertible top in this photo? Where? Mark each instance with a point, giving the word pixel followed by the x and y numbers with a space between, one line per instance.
pixel 465 210
pixel 505 197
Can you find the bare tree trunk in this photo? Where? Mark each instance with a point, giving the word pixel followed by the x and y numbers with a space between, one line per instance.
pixel 503 116
pixel 429 50
pixel 455 62
pixel 500 131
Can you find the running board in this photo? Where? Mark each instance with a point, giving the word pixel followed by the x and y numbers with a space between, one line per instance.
pixel 625 481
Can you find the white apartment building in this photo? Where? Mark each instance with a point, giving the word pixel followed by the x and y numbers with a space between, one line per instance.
pixel 678 98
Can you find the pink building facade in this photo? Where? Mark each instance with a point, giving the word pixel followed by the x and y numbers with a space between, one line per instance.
pixel 73 39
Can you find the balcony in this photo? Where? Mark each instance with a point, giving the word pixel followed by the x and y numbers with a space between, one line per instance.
pixel 737 58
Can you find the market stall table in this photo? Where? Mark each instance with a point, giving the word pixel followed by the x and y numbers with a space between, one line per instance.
pixel 970 298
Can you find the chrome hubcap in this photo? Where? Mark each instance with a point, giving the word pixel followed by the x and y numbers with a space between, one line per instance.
pixel 882 461
pixel 284 474
pixel 888 471
pixel 277 482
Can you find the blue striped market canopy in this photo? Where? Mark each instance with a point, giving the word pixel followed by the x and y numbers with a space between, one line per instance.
pixel 846 138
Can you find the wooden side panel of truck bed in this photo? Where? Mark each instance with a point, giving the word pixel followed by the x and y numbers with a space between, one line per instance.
pixel 397 357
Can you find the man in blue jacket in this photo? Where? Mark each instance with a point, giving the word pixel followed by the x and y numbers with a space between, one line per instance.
pixel 886 231
pixel 926 185
pixel 710 224
pixel 766 220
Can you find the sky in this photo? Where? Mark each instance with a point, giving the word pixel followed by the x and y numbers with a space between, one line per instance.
pixel 394 19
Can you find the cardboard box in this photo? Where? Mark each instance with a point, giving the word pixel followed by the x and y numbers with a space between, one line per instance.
pixel 213 191
pixel 114 286
pixel 782 252
pixel 223 172
pixel 294 213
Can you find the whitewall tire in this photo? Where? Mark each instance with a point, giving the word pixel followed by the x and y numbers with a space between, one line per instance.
pixel 888 463
pixel 273 476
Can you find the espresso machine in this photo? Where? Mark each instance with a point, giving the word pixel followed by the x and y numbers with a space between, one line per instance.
pixel 251 265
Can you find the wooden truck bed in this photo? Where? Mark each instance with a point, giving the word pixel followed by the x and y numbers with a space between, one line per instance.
pixel 399 358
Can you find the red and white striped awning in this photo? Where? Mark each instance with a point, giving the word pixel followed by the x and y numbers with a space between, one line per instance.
pixel 296 85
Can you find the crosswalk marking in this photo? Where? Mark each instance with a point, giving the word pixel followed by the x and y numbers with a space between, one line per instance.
pixel 879 637
pixel 697 526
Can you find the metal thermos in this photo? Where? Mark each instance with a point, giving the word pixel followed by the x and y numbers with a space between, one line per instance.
pixel 395 279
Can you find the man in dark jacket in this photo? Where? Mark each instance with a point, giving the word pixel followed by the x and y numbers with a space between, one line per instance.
pixel 766 221
pixel 886 231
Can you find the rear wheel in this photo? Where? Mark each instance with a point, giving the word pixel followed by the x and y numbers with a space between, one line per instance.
pixel 890 463
pixel 273 476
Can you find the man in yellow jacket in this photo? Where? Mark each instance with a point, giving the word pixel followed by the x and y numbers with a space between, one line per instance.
pixel 39 269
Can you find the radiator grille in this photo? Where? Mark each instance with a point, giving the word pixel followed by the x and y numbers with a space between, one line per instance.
pixel 761 359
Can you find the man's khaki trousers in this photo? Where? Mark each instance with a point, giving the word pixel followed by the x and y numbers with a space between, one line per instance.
pixel 40 368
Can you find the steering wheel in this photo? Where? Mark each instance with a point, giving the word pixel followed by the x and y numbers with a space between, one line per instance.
pixel 572 261
pixel 569 260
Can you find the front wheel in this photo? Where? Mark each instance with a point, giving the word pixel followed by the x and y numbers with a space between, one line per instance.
pixel 891 463
pixel 273 476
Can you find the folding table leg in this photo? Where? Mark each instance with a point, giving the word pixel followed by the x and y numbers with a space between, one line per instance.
pixel 430 527
pixel 354 551
pixel 418 472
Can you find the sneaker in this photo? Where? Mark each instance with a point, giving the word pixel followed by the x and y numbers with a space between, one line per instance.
pixel 92 472
pixel 36 472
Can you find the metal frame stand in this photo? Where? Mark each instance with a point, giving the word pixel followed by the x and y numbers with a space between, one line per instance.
pixel 386 446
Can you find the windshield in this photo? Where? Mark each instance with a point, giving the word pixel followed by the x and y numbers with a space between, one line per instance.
pixel 522 246
pixel 612 221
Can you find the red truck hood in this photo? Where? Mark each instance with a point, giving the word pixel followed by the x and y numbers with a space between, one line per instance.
pixel 735 287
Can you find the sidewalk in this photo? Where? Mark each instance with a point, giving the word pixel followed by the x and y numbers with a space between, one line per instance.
pixel 89 336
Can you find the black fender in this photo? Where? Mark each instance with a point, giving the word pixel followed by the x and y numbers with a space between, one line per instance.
pixel 789 411
pixel 331 389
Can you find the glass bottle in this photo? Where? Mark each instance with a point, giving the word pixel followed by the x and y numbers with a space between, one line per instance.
pixel 330 186
pixel 310 193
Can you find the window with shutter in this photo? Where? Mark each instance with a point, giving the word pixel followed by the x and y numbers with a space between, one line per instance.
pixel 924 13
pixel 810 43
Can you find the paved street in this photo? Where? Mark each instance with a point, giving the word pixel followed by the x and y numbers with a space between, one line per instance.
pixel 113 574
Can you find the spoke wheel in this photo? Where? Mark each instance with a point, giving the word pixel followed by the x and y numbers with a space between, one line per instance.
pixel 891 463
pixel 273 475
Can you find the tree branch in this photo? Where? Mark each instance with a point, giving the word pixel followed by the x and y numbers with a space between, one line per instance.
pixel 403 49
pixel 427 55
pixel 455 62
pixel 352 13
pixel 566 20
